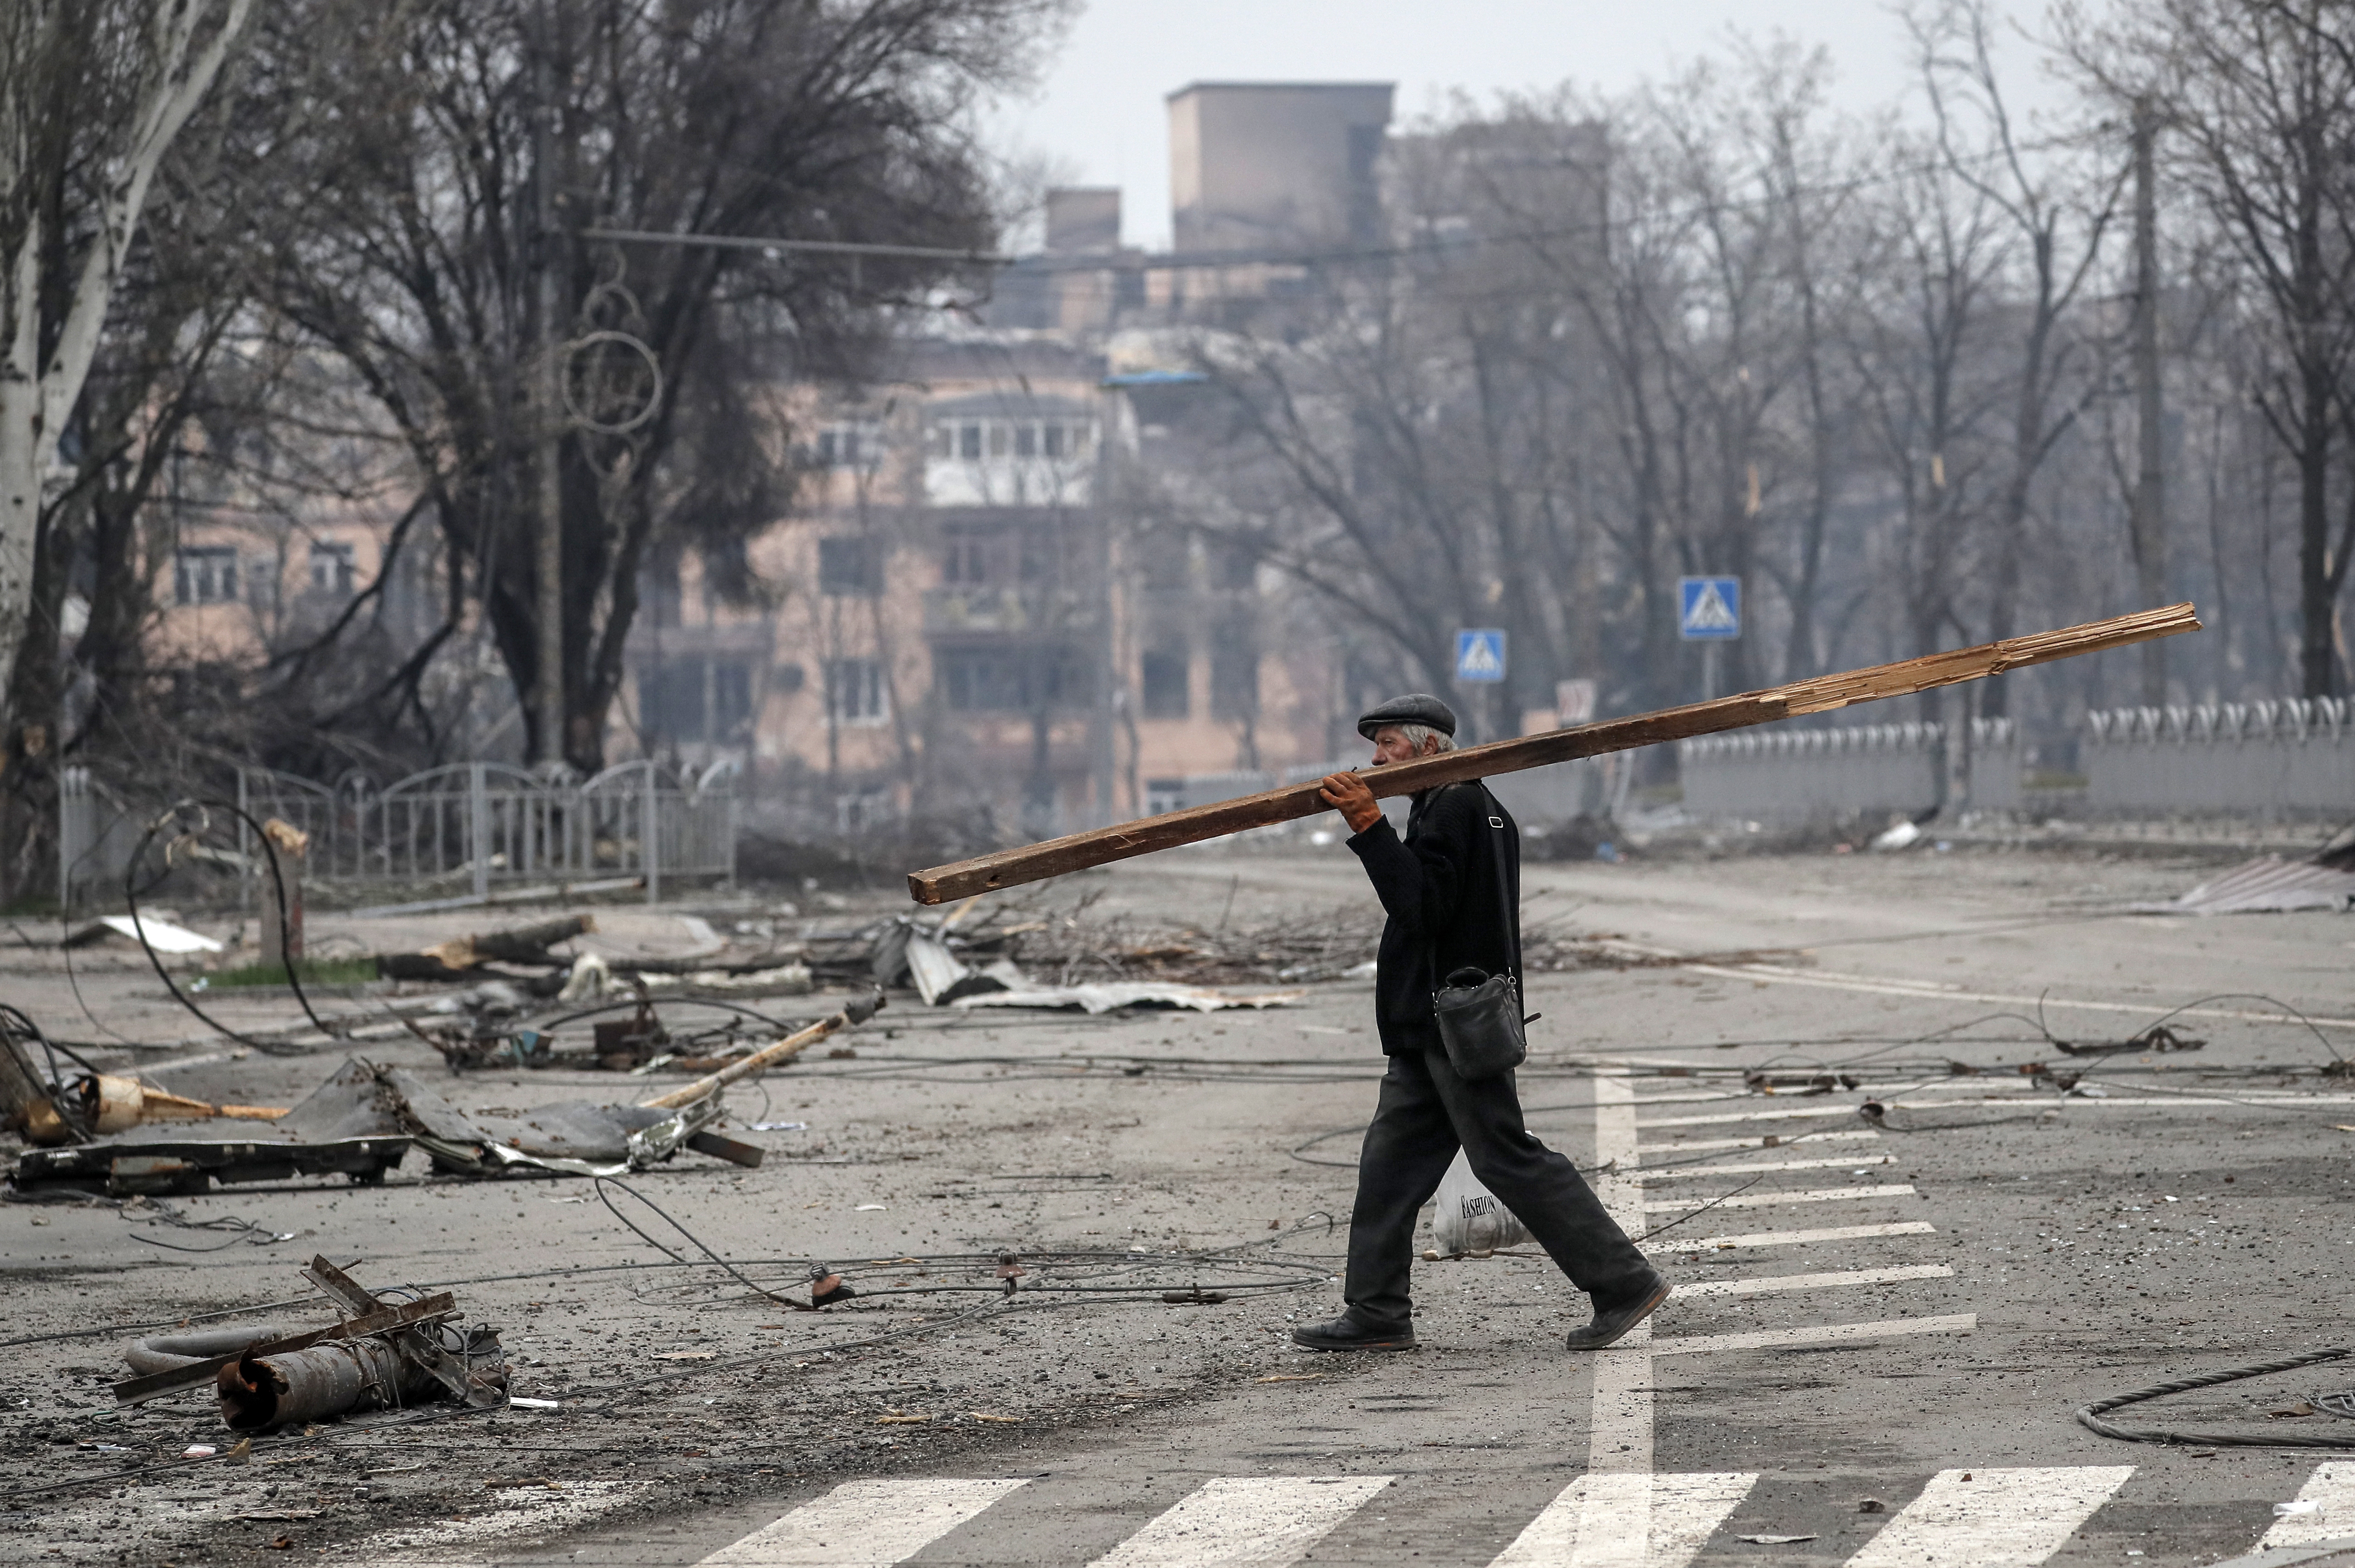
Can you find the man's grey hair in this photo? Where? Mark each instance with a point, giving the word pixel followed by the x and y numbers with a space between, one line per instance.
pixel 1416 734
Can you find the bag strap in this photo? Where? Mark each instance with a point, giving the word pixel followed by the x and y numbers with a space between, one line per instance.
pixel 1505 903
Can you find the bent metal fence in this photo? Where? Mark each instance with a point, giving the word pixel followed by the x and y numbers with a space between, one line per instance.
pixel 467 828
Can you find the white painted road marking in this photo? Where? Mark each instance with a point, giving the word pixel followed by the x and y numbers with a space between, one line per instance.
pixel 454 1542
pixel 863 1524
pixel 1616 1505
pixel 1800 1238
pixel 1790 1140
pixel 1826 1334
pixel 1755 1287
pixel 1262 1521
pixel 2332 1485
pixel 1682 1513
pixel 1768 1200
pixel 1997 1519
pixel 1931 991
pixel 1819 1113
pixel 1698 1171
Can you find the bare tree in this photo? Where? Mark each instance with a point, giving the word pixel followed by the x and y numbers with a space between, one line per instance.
pixel 419 264
pixel 2256 95
pixel 91 94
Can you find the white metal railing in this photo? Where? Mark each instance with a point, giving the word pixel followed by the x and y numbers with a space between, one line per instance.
pixel 492 825
pixel 1795 774
pixel 2294 756
pixel 471 825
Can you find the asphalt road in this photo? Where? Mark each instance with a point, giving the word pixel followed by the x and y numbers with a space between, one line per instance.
pixel 1881 1329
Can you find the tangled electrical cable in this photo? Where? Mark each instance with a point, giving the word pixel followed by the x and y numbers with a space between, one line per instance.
pixel 1006 1280
pixel 172 816
pixel 17 1029
pixel 2091 1416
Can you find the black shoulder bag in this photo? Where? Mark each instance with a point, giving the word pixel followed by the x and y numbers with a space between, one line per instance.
pixel 1480 1014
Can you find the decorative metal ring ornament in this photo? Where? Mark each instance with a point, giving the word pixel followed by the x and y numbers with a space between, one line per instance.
pixel 588 342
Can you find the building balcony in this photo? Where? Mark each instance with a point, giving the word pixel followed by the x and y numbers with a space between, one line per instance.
pixel 994 611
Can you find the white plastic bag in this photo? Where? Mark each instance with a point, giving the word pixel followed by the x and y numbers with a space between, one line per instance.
pixel 1471 1219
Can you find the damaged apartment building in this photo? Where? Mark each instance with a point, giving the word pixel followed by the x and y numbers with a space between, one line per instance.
pixel 985 612
pixel 980 608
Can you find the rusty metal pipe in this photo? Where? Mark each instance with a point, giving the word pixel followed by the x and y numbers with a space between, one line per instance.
pixel 258 1391
pixel 166 1352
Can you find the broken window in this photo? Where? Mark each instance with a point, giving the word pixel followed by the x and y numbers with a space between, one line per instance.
pixel 1004 680
pixel 205 574
pixel 331 569
pixel 850 566
pixel 1162 675
pixel 1234 680
pixel 855 692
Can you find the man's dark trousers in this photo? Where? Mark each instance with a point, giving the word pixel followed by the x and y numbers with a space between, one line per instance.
pixel 1425 1112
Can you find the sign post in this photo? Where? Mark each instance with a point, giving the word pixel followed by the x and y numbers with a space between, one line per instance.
pixel 1709 612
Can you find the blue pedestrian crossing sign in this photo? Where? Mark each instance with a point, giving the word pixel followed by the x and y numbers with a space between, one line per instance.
pixel 1480 655
pixel 1711 608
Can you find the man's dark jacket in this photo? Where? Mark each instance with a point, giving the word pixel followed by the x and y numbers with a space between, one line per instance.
pixel 1439 887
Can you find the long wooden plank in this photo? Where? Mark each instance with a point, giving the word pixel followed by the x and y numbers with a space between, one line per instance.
pixel 1101 846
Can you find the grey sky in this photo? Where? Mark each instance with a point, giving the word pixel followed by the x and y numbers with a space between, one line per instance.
pixel 1099 107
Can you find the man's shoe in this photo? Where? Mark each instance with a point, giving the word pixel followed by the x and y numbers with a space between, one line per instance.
pixel 1613 1322
pixel 1345 1333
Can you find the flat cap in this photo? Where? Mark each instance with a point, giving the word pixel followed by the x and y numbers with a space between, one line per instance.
pixel 1415 707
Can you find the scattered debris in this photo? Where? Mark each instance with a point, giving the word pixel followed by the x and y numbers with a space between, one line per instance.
pixel 1871 1505
pixel 385 1354
pixel 1108 998
pixel 2267 884
pixel 2156 1039
pixel 162 935
pixel 364 1121
pixel 1761 1083
pixel 104 1104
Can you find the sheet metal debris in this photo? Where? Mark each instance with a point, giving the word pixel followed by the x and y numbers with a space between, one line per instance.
pixel 1111 996
pixel 2267 884
pixel 365 1119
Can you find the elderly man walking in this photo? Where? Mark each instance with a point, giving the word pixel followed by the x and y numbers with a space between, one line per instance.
pixel 1452 890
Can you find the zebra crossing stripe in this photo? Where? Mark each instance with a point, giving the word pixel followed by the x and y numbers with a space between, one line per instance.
pixel 1833 1163
pixel 1768 1200
pixel 1994 1519
pixel 1800 1238
pixel 2333 1487
pixel 1604 1521
pixel 862 1524
pixel 1755 1287
pixel 1824 1334
pixel 1246 1521
pixel 1699 1146
pixel 1825 1113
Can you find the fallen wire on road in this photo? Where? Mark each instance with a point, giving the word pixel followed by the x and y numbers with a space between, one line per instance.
pixel 2091 1416
pixel 1064 1276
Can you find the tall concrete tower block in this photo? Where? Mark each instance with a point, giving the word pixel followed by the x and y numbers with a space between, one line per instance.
pixel 1257 166
pixel 1082 218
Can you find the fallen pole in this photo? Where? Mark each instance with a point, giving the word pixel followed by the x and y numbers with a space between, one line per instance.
pixel 1101 846
pixel 784 1050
